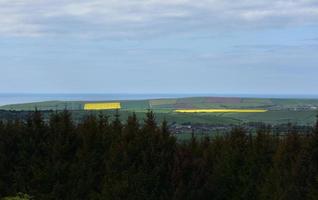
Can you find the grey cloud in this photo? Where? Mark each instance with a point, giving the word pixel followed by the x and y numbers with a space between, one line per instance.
pixel 146 18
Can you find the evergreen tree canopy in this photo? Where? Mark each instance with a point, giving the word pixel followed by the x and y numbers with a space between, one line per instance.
pixel 97 158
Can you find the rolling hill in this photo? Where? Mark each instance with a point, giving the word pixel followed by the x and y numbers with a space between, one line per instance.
pixel 300 111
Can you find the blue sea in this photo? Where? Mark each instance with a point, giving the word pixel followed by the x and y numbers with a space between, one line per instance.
pixel 6 98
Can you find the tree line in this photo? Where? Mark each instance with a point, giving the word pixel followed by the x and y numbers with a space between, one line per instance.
pixel 103 159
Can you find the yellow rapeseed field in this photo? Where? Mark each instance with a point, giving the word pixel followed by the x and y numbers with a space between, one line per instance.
pixel 221 111
pixel 102 106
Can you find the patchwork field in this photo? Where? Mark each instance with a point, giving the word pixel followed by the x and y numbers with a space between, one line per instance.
pixel 205 110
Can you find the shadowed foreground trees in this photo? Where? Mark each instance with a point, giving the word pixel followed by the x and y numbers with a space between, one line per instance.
pixel 102 159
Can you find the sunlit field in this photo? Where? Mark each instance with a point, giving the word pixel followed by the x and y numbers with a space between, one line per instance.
pixel 220 111
pixel 102 106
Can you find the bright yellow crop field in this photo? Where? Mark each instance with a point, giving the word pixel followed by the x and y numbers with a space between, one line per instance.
pixel 221 111
pixel 102 106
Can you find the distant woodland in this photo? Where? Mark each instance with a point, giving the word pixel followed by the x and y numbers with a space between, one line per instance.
pixel 101 159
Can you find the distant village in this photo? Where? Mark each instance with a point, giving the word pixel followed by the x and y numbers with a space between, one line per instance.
pixel 205 129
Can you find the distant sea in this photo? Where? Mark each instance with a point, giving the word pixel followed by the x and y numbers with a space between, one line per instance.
pixel 28 98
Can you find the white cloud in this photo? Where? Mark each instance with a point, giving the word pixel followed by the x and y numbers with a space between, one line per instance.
pixel 135 18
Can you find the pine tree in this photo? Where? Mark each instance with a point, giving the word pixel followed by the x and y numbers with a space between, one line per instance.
pixel 313 172
pixel 150 124
pixel 117 125
pixel 4 160
pixel 164 128
pixel 64 143
pixel 31 172
pixel 89 164
pixel 131 128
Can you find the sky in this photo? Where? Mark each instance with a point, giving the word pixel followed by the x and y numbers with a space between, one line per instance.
pixel 159 46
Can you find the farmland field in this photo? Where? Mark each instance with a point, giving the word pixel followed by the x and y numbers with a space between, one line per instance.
pixel 202 110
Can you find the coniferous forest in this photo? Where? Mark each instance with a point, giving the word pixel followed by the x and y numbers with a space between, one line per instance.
pixel 99 158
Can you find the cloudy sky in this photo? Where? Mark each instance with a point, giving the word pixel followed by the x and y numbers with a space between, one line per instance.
pixel 159 46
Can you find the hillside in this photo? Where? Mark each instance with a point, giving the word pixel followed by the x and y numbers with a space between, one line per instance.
pixel 301 111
